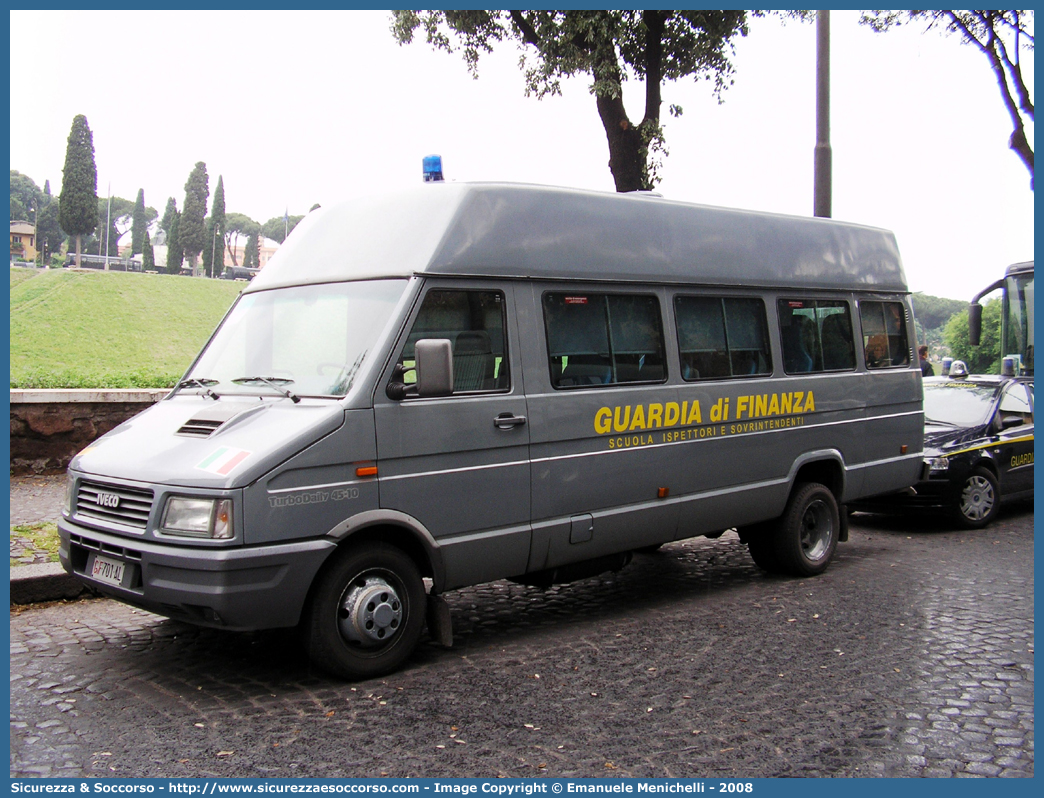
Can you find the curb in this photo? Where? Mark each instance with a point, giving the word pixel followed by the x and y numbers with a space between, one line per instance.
pixel 43 582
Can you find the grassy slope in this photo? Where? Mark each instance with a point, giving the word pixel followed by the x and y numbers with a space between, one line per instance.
pixel 98 329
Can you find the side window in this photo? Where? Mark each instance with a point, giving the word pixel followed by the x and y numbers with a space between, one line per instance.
pixel 603 339
pixel 1015 402
pixel 816 335
pixel 473 321
pixel 722 337
pixel 884 334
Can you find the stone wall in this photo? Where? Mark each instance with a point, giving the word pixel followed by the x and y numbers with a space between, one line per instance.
pixel 48 427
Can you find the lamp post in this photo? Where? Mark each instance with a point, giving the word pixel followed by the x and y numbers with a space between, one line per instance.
pixel 822 199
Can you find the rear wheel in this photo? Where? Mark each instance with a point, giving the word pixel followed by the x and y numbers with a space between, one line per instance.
pixel 367 612
pixel 977 500
pixel 808 530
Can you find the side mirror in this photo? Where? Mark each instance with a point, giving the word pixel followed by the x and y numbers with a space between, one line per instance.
pixel 974 323
pixel 434 367
pixel 1007 422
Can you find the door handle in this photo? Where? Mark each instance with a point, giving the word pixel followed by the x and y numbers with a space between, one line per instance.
pixel 508 421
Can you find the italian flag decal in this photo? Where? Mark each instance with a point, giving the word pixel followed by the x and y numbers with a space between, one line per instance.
pixel 223 461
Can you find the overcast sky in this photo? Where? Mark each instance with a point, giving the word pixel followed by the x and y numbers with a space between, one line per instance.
pixel 295 108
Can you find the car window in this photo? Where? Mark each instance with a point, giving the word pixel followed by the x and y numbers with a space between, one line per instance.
pixel 603 339
pixel 722 337
pixel 958 404
pixel 884 334
pixel 1016 402
pixel 473 322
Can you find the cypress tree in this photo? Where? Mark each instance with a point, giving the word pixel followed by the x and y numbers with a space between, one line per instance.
pixel 252 255
pixel 175 255
pixel 139 224
pixel 148 254
pixel 192 233
pixel 214 251
pixel 78 202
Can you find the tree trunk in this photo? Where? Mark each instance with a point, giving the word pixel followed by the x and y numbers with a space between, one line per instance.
pixel 625 145
pixel 77 251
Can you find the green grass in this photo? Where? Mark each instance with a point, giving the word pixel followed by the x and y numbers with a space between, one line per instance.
pixel 42 536
pixel 86 329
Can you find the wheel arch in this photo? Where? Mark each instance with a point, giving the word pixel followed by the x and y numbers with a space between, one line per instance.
pixel 400 530
pixel 826 467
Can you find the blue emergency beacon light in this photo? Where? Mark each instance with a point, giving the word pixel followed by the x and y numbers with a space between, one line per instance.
pixel 432 168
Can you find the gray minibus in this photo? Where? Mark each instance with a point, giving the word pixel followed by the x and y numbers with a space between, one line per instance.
pixel 460 383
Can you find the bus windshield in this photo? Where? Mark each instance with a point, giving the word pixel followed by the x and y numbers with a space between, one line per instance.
pixel 310 340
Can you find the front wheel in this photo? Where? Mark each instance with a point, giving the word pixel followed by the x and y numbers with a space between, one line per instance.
pixel 977 499
pixel 366 613
pixel 808 530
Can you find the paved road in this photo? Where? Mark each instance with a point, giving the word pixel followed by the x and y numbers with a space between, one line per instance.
pixel 911 656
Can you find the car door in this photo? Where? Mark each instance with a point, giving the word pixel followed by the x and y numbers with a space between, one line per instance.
pixel 459 464
pixel 1015 460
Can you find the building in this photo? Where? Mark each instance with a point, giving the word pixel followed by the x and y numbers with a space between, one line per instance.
pixel 23 241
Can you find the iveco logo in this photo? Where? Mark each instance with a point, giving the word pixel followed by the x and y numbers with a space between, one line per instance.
pixel 107 500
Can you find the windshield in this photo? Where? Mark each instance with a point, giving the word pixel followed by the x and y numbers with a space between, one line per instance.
pixel 958 404
pixel 310 339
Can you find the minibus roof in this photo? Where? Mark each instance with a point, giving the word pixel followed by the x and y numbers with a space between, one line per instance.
pixel 527 231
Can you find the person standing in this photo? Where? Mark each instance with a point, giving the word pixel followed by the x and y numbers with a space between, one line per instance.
pixel 926 368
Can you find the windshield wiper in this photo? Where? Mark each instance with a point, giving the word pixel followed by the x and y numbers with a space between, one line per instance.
pixel 939 423
pixel 275 383
pixel 199 382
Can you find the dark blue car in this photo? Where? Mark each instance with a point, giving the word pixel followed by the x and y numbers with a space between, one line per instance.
pixel 978 449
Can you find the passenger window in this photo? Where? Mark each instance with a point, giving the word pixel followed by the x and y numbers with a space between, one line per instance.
pixel 722 337
pixel 816 335
pixel 473 321
pixel 603 339
pixel 1015 402
pixel 884 334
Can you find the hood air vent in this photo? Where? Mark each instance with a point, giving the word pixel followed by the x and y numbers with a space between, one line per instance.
pixel 199 428
pixel 207 422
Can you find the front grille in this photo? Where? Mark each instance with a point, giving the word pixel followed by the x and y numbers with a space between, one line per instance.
pixel 199 427
pixel 114 504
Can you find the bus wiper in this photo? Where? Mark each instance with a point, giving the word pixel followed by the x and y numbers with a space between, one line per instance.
pixel 199 382
pixel 275 383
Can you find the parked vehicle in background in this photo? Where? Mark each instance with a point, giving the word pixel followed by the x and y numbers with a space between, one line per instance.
pixel 110 262
pixel 1016 318
pixel 469 382
pixel 978 448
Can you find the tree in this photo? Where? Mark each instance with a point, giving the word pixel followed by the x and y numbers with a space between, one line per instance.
pixel 252 252
pixel 25 197
pixel 148 254
pixel 984 358
pixel 238 224
pixel 78 205
pixel 1000 36
pixel 49 235
pixel 192 233
pixel 175 256
pixel 215 230
pixel 139 224
pixel 610 47
pixel 279 227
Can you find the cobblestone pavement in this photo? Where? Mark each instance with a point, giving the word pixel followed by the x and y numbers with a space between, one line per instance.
pixel 911 656
pixel 33 499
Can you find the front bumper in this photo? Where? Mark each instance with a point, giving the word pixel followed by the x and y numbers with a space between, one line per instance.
pixel 259 587
pixel 928 494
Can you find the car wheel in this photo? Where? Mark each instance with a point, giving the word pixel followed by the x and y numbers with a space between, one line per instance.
pixel 977 499
pixel 808 530
pixel 366 613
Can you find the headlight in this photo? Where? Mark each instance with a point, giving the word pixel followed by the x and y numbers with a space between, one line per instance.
pixel 936 464
pixel 70 494
pixel 198 518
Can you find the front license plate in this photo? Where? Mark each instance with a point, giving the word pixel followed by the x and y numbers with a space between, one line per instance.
pixel 108 571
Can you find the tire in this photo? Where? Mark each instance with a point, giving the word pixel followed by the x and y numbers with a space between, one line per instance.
pixel 808 531
pixel 977 499
pixel 366 613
